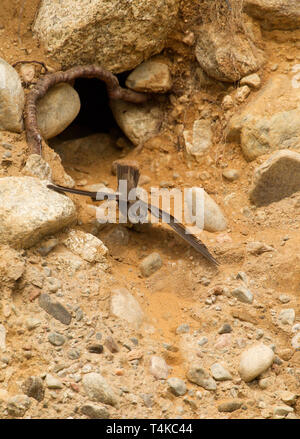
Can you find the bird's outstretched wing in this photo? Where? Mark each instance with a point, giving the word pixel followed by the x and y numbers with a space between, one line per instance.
pixel 179 228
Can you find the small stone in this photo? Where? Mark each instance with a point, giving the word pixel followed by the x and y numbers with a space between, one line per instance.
pixel 34 388
pixel 196 374
pixel 158 368
pixel 2 337
pixel 95 348
pixel 251 80
pixel 183 329
pixel 152 76
pixel 264 383
pixel 139 122
pixel 296 341
pixel 56 339
pixel 177 386
pixel 94 411
pixel 18 405
pixel 288 398
pixel 230 406
pixel 258 248
pixel 242 93
pixel 282 410
pixel 52 382
pixel 202 341
pixel 225 329
pixel 55 309
pixel 227 102
pixel 148 399
pixel 126 307
pixel 285 354
pixel 53 284
pixel 27 72
pixel 150 264
pixel 74 354
pixel 283 298
pixel 97 389
pixel 223 341
pixel 243 295
pixel 220 373
pixel 287 316
pixel 111 345
pixel 254 361
pixel 47 246
pixel 231 174
pixel 259 334
pixel 199 139
pixel 85 245
pixel 36 166
pixel 32 323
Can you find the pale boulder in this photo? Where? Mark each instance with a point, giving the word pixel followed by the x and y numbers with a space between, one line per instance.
pixel 57 110
pixel 29 211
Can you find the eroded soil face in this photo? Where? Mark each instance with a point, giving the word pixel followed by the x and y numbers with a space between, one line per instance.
pixel 186 290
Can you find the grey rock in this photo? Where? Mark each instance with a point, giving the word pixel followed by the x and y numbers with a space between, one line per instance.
pixel 56 339
pixel 225 329
pixel 94 411
pixel 243 295
pixel 12 99
pixel 97 389
pixel 254 361
pixel 202 341
pixel 275 14
pixel 150 264
pixel 18 405
pixel 230 406
pixel 148 399
pixel 29 211
pixel 47 246
pixel 57 110
pixel 151 76
pixel 287 316
pixel 117 36
pixel 55 309
pixel 226 59
pixel 282 410
pixel 74 354
pixel 220 373
pixel 53 284
pixel 126 307
pixel 36 166
pixel 111 344
pixel 139 122
pixel 34 388
pixel 277 178
pixel 177 386
pixel 95 348
pixel 269 122
pixel 196 374
pixel 183 329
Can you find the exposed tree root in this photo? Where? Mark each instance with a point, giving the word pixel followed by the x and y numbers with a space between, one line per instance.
pixel 34 138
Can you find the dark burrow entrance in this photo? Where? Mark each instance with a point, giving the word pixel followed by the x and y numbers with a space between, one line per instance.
pixel 95 115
